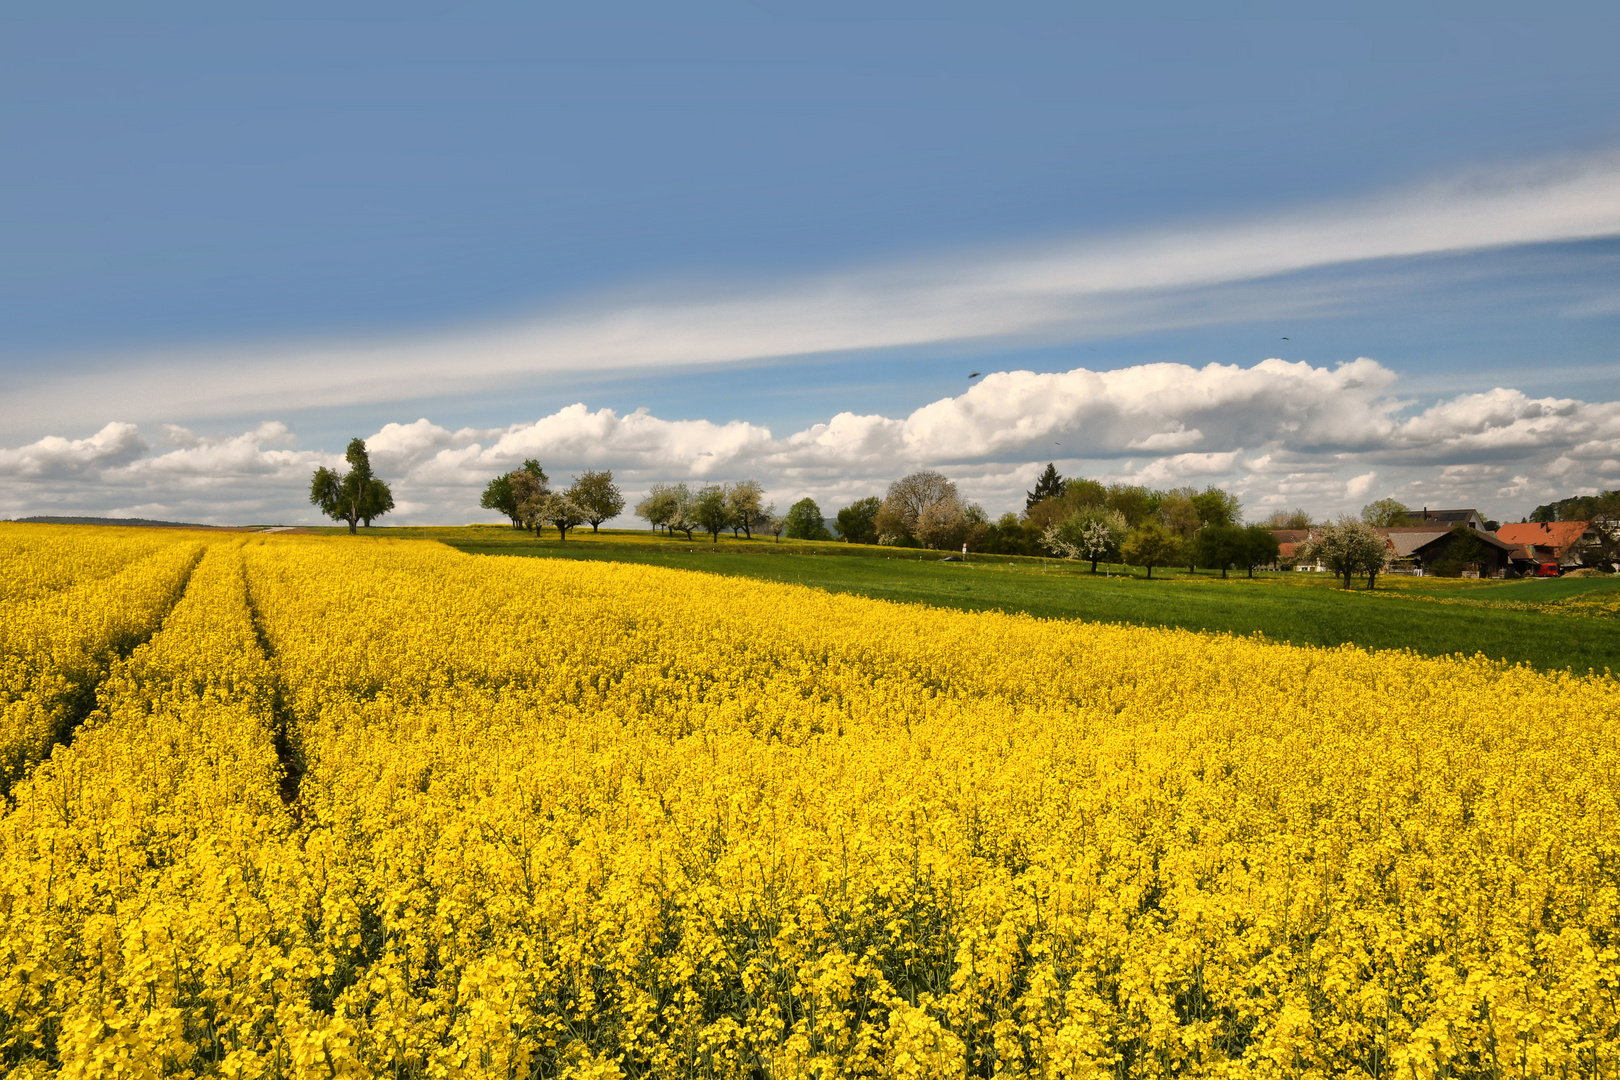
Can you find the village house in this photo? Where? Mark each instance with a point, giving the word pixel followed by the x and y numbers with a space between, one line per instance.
pixel 1424 546
pixel 1570 544
pixel 1425 517
pixel 1419 547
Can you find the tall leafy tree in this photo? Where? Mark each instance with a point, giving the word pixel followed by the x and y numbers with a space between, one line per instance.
pixel 1259 548
pixel 1384 513
pixel 1297 518
pixel 530 489
pixel 924 506
pixel 1150 544
pixel 1135 502
pixel 355 496
pixel 1049 485
pixel 597 496
pixel 1220 546
pixel 500 493
pixel 1216 506
pixel 857 522
pixel 711 510
pixel 1179 514
pixel 804 521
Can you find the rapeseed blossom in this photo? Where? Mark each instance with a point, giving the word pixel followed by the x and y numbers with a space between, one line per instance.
pixel 384 809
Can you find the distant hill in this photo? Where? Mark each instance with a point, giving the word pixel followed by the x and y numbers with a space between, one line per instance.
pixel 140 522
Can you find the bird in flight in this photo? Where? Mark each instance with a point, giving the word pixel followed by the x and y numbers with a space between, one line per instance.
pixel 975 375
pixel 1285 339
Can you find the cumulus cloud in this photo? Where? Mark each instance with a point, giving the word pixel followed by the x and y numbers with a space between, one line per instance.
pixel 1086 288
pixel 1278 434
pixel 55 458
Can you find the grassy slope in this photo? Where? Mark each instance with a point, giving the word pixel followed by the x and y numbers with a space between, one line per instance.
pixel 1302 608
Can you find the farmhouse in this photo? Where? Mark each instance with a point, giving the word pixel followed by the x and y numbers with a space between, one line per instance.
pixel 1425 517
pixel 1567 543
pixel 1288 542
pixel 1426 545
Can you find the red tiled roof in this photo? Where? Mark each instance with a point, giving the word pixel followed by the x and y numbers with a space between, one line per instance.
pixel 1558 535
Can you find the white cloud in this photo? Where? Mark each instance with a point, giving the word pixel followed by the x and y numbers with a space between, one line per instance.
pixel 56 458
pixel 1062 292
pixel 1278 434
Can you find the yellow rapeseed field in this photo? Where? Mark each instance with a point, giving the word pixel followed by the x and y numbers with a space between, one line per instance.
pixel 376 808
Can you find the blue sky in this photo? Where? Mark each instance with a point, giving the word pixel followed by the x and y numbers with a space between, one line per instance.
pixel 272 235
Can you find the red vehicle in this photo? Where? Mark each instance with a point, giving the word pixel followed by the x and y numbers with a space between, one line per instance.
pixel 1547 569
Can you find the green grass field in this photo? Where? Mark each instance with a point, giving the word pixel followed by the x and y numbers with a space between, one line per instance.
pixel 1504 620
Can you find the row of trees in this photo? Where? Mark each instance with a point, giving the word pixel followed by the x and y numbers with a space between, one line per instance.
pixel 712 509
pixel 525 496
pixel 1071 518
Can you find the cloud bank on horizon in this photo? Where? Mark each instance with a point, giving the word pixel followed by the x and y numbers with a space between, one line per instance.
pixel 1081 290
pixel 1279 434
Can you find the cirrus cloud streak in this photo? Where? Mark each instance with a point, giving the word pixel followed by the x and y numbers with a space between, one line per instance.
pixel 1084 289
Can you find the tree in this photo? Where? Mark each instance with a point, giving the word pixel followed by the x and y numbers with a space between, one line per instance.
pixel 975 527
pixel 597 495
pixel 1220 546
pixel 711 510
pixel 1150 545
pixel 1008 535
pixel 530 489
pixel 1049 485
pixel 1259 548
pixel 941 524
pixel 857 522
pixel 771 523
pixel 667 506
pixel 560 509
pixel 804 521
pixel 1351 547
pixel 923 506
pixel 1093 533
pixel 500 495
pixel 354 496
pixel 1217 507
pixel 656 506
pixel 1296 518
pixel 1384 513
pixel 747 501
pixel 680 516
pixel 1135 503
pixel 1179 514
pixel 379 500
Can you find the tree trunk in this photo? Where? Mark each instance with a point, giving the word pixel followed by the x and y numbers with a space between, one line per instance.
pixel 1150 571
pixel 1093 566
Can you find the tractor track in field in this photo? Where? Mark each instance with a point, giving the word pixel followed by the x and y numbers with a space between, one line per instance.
pixel 284 724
